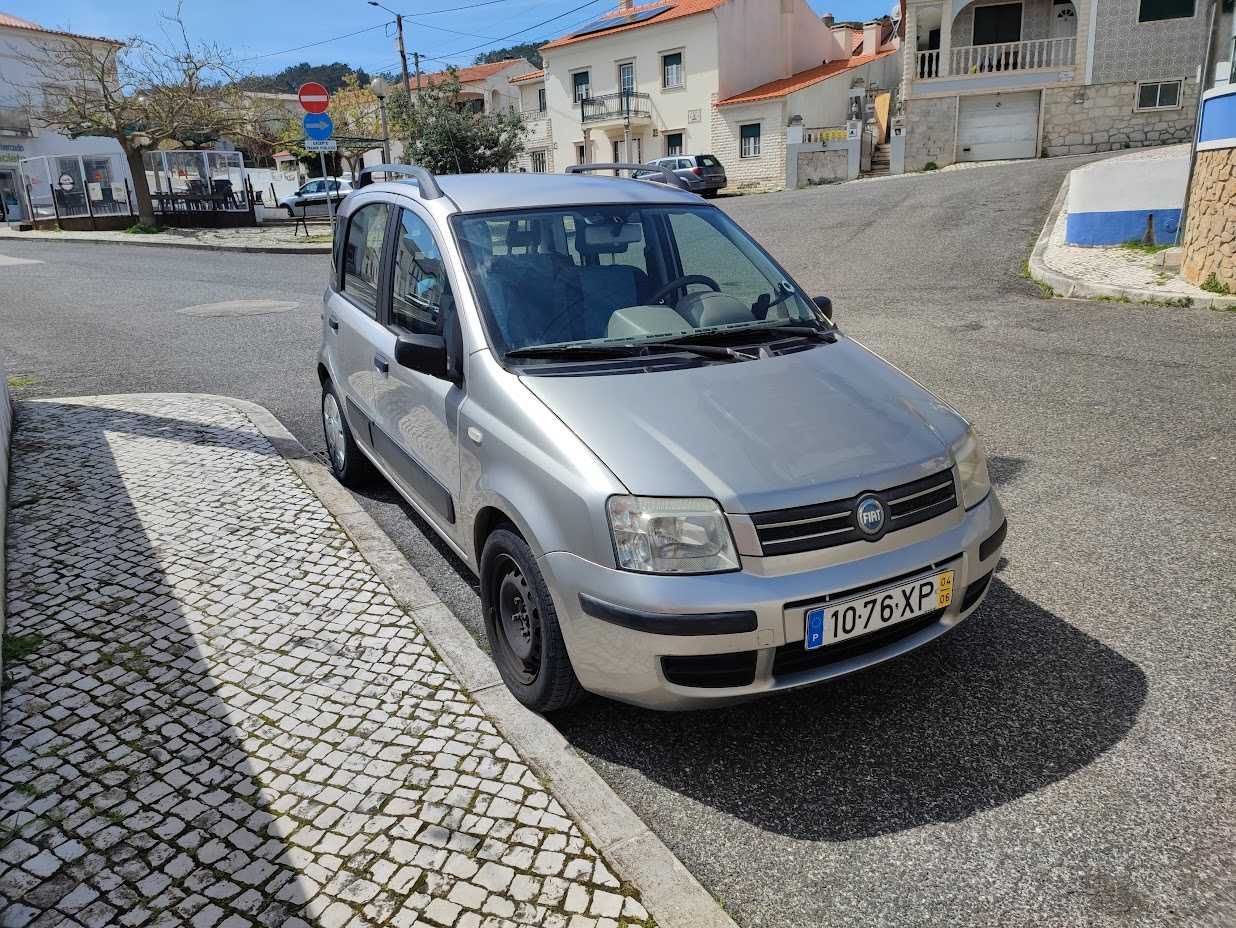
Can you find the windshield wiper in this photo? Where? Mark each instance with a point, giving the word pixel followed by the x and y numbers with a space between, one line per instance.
pixel 818 333
pixel 622 350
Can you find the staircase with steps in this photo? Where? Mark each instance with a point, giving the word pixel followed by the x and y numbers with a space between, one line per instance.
pixel 879 161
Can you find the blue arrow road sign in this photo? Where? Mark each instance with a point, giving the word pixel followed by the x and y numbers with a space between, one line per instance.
pixel 318 126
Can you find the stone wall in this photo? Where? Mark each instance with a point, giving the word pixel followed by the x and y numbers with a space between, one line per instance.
pixel 931 133
pixel 750 175
pixel 1210 231
pixel 816 167
pixel 1105 119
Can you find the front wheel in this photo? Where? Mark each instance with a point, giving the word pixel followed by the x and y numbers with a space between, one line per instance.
pixel 522 626
pixel 347 463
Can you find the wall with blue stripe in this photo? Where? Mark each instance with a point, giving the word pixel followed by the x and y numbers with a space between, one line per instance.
pixel 1128 198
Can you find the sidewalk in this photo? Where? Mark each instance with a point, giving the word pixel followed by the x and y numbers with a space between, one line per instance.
pixel 266 239
pixel 1120 274
pixel 218 715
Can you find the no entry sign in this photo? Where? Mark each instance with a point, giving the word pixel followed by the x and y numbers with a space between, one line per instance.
pixel 314 98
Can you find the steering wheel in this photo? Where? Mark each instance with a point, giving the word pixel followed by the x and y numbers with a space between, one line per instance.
pixel 685 281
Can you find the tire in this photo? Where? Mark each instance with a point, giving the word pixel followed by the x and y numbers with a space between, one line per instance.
pixel 522 626
pixel 347 462
pixel 710 194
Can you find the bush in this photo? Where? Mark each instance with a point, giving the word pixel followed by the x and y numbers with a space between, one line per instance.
pixel 931 166
pixel 1212 284
pixel 140 228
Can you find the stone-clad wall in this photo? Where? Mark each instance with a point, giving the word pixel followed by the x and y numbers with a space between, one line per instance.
pixel 1106 121
pixel 932 132
pixel 1210 231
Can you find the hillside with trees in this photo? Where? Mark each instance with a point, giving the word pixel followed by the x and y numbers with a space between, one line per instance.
pixel 525 50
pixel 333 76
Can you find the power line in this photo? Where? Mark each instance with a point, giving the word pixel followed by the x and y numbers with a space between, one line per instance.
pixel 298 48
pixel 544 22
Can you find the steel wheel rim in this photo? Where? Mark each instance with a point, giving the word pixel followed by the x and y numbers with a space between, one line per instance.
pixel 332 422
pixel 517 621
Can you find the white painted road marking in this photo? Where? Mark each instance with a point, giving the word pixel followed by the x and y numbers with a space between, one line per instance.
pixel 6 261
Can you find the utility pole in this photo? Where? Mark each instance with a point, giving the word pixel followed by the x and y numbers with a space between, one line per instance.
pixel 403 54
pixel 416 57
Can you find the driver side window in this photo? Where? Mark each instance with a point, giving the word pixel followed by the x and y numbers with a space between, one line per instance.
pixel 705 252
pixel 421 290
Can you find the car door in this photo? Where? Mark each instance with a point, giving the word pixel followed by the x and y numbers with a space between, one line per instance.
pixel 353 309
pixel 417 415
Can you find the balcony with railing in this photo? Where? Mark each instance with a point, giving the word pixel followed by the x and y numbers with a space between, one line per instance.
pixel 616 107
pixel 970 60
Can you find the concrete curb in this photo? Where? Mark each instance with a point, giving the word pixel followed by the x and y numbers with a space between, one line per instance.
pixel 667 889
pixel 1075 288
pixel 7 422
pixel 146 243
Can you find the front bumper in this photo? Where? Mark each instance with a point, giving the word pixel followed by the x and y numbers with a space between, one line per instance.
pixel 619 626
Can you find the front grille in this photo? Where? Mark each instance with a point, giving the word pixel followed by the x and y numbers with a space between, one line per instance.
pixel 794 658
pixel 826 525
pixel 711 671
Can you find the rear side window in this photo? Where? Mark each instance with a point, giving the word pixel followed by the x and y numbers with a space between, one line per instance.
pixel 421 288
pixel 362 256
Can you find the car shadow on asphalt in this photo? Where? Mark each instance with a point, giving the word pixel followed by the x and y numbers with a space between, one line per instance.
pixel 1012 701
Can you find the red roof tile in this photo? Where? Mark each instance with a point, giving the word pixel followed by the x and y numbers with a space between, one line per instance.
pixel 803 79
pixel 680 8
pixel 530 76
pixel 16 22
pixel 476 72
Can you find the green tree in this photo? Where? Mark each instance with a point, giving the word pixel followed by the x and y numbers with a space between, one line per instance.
pixel 529 50
pixel 332 76
pixel 446 136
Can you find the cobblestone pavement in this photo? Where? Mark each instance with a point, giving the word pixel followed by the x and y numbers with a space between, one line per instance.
pixel 281 237
pixel 217 716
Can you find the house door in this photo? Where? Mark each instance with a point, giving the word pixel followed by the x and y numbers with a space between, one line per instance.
pixel 1063 20
pixel 626 78
pixel 996 24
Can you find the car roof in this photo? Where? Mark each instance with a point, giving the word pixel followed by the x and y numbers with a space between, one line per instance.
pixel 474 193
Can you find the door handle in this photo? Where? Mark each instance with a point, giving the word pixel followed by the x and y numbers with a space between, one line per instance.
pixel 381 364
pixel 333 323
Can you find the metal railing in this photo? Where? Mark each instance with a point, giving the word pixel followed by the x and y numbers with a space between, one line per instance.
pixel 1036 54
pixel 825 134
pixel 615 106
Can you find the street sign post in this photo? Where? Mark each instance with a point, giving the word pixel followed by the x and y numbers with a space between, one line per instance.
pixel 318 126
pixel 314 100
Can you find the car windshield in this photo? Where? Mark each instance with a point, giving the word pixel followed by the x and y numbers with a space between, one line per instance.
pixel 603 275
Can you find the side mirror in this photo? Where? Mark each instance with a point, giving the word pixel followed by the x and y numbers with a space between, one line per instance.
pixel 425 354
pixel 428 354
pixel 826 307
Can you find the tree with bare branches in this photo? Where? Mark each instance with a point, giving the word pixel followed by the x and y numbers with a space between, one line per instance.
pixel 144 94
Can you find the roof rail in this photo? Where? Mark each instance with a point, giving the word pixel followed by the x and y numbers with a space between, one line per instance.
pixel 671 178
pixel 423 176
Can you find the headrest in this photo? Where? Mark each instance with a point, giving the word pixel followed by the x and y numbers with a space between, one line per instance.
pixel 523 233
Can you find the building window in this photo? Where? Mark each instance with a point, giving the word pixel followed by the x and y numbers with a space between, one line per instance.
pixel 580 155
pixel 626 77
pixel 671 70
pixel 538 162
pixel 750 141
pixel 540 100
pixel 583 85
pixel 1158 95
pixel 1153 10
pixel 673 143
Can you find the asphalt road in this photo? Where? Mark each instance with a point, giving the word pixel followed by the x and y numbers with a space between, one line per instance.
pixel 1063 758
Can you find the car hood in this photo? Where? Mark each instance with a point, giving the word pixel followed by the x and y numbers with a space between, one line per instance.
pixel 784 431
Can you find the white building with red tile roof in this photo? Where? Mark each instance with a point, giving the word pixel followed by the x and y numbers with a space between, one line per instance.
pixel 21 87
pixel 724 77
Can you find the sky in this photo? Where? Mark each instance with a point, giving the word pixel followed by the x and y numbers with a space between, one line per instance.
pixel 444 31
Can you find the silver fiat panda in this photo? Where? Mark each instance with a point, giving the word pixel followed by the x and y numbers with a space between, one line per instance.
pixel 679 482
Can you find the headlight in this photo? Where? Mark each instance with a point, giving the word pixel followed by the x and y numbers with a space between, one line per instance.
pixel 972 468
pixel 670 536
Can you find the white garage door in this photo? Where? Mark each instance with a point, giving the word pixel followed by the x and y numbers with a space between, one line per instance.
pixel 998 125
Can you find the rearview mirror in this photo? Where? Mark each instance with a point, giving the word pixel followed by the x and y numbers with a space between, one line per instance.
pixel 425 354
pixel 826 307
